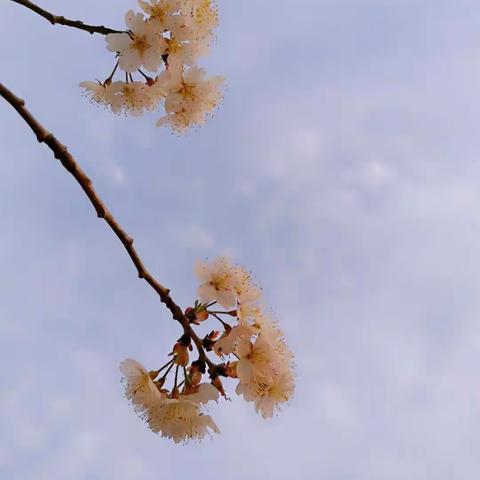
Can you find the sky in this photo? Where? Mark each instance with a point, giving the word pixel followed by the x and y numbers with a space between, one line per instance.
pixel 341 168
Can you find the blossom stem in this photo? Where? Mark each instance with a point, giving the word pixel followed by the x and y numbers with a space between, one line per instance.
pixel 60 20
pixel 176 377
pixel 109 79
pixel 62 154
pixel 225 325
pixel 165 375
pixel 166 365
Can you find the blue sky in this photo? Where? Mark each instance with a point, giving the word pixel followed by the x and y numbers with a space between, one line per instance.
pixel 342 168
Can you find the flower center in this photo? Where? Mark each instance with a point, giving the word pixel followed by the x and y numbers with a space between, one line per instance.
pixel 141 45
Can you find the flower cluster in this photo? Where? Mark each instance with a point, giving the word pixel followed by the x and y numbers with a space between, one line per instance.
pixel 173 414
pixel 252 351
pixel 264 364
pixel 166 40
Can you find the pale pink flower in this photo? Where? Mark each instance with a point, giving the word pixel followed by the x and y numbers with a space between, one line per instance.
pixel 190 97
pixel 270 396
pixel 201 19
pixel 228 342
pixel 139 386
pixel 217 281
pixel 205 392
pixel 164 13
pixel 181 420
pixel 99 92
pixel 132 98
pixel 143 46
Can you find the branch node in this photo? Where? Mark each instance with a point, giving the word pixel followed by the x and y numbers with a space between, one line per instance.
pixel 101 212
pixel 61 152
pixel 44 136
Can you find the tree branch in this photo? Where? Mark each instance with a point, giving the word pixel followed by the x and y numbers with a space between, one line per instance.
pixel 60 20
pixel 61 153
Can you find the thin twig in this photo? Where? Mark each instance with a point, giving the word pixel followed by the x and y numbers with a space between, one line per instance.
pixel 61 153
pixel 60 20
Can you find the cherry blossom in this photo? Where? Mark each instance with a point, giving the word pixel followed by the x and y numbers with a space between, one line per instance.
pixel 166 42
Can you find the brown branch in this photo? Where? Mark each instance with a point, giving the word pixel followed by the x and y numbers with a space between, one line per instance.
pixel 60 20
pixel 66 159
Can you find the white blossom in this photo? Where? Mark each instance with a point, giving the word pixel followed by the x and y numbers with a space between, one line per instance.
pixel 142 46
pixel 182 53
pixel 98 92
pixel 257 360
pixel 190 98
pixel 270 396
pixel 131 98
pixel 248 294
pixel 181 420
pixel 265 369
pixel 204 393
pixel 249 311
pixel 217 282
pixel 163 13
pixel 228 342
pixel 156 91
pixel 201 19
pixel 139 386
